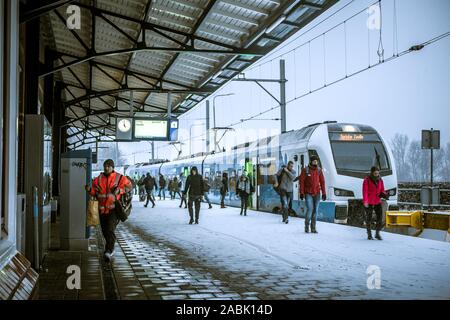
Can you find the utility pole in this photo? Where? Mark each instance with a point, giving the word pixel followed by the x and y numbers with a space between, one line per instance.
pixel 283 95
pixel 207 126
pixel 282 82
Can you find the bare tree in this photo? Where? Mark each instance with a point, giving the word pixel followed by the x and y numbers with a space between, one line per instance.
pixel 400 144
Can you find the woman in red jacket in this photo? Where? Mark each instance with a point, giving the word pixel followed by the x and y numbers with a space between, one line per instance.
pixel 373 192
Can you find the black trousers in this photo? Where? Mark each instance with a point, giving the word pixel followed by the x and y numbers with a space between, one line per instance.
pixel 222 198
pixel 183 200
pixel 109 222
pixel 149 197
pixel 197 201
pixel 378 212
pixel 244 201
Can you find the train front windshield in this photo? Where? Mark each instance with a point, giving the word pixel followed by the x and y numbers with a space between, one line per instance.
pixel 357 153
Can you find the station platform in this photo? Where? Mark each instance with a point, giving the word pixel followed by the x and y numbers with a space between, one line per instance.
pixel 228 256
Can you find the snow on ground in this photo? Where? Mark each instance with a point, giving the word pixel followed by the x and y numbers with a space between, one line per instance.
pixel 412 268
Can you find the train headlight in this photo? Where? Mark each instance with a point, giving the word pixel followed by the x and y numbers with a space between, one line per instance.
pixel 391 192
pixel 343 193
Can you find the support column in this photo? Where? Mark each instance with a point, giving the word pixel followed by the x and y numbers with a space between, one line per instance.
pixel 48 88
pixel 57 122
pixel 169 106
pixel 207 126
pixel 32 66
pixel 283 96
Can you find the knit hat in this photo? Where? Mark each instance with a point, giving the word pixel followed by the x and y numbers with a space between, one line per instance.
pixel 108 162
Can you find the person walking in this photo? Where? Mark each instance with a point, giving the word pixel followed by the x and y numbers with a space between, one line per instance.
pixel 162 187
pixel 107 188
pixel 136 183
pixel 206 189
pixel 194 189
pixel 312 182
pixel 223 189
pixel 286 176
pixel 182 184
pixel 373 192
pixel 176 187
pixel 149 184
pixel 244 189
pixel 141 188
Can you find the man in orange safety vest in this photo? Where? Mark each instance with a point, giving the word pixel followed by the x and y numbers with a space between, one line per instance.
pixel 108 187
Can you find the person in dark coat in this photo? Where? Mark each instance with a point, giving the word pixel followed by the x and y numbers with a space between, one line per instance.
pixel 223 189
pixel 207 186
pixel 244 188
pixel 149 183
pixel 373 192
pixel 162 187
pixel 182 184
pixel 194 189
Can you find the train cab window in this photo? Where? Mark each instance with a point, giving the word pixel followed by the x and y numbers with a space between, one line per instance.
pixel 302 161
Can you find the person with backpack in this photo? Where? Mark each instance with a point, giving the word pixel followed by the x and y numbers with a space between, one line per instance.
pixel 312 182
pixel 244 189
pixel 182 184
pixel 194 188
pixel 206 187
pixel 141 187
pixel 149 184
pixel 373 192
pixel 223 189
pixel 162 187
pixel 284 185
pixel 108 187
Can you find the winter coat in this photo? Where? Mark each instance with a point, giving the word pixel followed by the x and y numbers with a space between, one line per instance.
pixel 244 186
pixel 103 188
pixel 194 185
pixel 224 186
pixel 149 183
pixel 287 180
pixel 312 182
pixel 373 192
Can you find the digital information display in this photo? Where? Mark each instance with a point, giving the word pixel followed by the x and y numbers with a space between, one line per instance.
pixel 150 129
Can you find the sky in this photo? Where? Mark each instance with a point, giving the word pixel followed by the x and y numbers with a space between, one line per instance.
pixel 404 95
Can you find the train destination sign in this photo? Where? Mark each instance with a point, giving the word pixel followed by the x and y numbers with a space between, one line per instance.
pixel 353 137
pixel 150 129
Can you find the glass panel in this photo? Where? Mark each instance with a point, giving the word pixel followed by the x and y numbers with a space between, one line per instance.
pixel 359 156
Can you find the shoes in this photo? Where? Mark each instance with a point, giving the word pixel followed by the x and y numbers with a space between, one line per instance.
pixel 314 231
pixel 377 236
pixel 185 207
pixel 153 206
pixel 210 207
pixel 145 205
pixel 287 221
pixel 180 205
pixel 306 229
pixel 245 213
pixel 369 236
pixel 196 221
pixel 241 213
pixel 191 221
pixel 108 256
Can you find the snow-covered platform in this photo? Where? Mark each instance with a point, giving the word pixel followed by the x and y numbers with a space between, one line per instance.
pixel 258 253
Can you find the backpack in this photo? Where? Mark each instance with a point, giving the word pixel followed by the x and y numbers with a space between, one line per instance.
pixel 123 205
pixel 278 187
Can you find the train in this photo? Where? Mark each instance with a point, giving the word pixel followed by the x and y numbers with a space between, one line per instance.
pixel 346 153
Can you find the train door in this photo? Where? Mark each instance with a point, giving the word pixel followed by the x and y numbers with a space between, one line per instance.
pixel 250 166
pixel 297 168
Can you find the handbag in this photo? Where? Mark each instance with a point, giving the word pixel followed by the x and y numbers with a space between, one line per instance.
pixel 92 218
pixel 123 205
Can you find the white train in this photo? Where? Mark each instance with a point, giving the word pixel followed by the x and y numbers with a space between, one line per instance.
pixel 346 153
